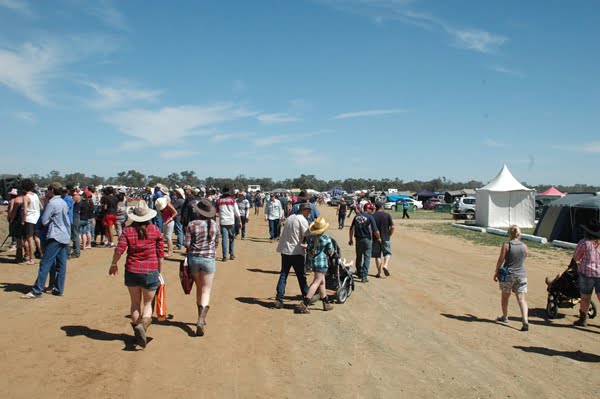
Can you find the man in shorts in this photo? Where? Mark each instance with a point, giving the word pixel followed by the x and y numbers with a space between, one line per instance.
pixel 110 204
pixel 382 248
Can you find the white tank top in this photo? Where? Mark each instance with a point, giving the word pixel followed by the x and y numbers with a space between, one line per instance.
pixel 33 209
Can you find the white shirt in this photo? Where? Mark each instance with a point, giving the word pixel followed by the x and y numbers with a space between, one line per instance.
pixel 273 209
pixel 293 232
pixel 32 213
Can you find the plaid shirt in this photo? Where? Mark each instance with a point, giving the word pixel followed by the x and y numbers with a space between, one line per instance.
pixel 324 247
pixel 196 238
pixel 587 254
pixel 142 255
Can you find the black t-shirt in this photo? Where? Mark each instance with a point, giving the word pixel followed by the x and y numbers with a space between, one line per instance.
pixel 342 210
pixel 111 203
pixel 363 224
pixel 87 209
pixel 384 222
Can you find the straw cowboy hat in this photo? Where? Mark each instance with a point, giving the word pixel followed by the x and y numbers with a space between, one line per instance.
pixel 164 190
pixel 319 225
pixel 140 213
pixel 204 208
pixel 161 203
pixel 592 228
pixel 181 192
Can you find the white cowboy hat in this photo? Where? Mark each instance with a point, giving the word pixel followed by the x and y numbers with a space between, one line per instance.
pixel 140 213
pixel 181 192
pixel 161 203
pixel 319 225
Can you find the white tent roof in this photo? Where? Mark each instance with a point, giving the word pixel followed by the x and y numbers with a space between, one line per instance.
pixel 504 181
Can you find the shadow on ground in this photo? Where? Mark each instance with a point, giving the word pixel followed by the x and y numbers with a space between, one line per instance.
pixel 99 335
pixel 257 270
pixel 15 287
pixel 575 355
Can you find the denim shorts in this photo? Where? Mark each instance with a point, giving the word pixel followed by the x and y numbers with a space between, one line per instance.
pixel 83 226
pixel 517 285
pixel 587 284
pixel 201 264
pixel 147 281
pixel 379 250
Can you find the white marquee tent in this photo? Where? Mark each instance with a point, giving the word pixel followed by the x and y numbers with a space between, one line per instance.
pixel 504 202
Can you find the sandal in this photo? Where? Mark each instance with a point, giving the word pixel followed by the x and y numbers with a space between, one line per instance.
pixel 386 272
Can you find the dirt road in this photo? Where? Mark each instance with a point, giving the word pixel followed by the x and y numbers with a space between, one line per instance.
pixel 425 331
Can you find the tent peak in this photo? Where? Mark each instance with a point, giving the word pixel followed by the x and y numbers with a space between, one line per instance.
pixel 505 181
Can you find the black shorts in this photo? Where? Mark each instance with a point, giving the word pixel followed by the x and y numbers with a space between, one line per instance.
pixel 16 230
pixel 147 281
pixel 29 230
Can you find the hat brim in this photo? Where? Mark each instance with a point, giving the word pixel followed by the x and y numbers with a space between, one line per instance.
pixel 207 214
pixel 319 230
pixel 591 232
pixel 302 198
pixel 132 217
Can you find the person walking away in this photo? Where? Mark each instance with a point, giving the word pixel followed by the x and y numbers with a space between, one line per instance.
pixel 15 229
pixel 167 212
pixel 364 228
pixel 201 241
pixel 178 204
pixel 229 216
pixel 341 213
pixel 57 235
pixel 31 212
pixel 292 253
pixel 405 210
pixel 257 202
pixel 75 225
pixel 284 205
pixel 86 213
pixel 382 248
pixel 244 207
pixel 512 255
pixel 121 218
pixel 303 198
pixel 587 256
pixel 144 245
pixel 274 215
pixel 318 251
pixel 109 204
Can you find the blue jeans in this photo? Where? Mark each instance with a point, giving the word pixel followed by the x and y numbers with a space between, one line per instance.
pixel 227 239
pixel 242 228
pixel 179 232
pixel 341 218
pixel 364 247
pixel 274 228
pixel 75 237
pixel 287 262
pixel 54 257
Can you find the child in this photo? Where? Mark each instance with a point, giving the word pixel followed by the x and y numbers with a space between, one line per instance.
pixel 318 250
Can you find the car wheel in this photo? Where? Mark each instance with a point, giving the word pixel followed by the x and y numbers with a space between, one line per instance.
pixel 470 215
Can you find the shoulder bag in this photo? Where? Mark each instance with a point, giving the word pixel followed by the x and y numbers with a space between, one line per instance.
pixel 503 271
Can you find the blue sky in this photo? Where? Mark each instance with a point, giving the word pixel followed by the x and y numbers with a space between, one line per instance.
pixel 338 89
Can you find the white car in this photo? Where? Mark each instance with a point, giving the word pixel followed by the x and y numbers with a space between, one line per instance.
pixel 417 204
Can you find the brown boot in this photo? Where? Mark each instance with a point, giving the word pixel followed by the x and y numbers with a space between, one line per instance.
pixel 582 322
pixel 326 305
pixel 140 334
pixel 202 312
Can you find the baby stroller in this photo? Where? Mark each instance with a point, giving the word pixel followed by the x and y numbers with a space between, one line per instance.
pixel 339 275
pixel 563 292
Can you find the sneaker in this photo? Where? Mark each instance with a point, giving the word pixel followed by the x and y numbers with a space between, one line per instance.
pixel 232 257
pixel 502 319
pixel 56 293
pixel 364 280
pixel 525 327
pixel 327 306
pixel 112 245
pixel 224 259
pixel 278 304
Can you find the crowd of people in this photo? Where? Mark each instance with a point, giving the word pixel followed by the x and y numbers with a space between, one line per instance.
pixel 68 220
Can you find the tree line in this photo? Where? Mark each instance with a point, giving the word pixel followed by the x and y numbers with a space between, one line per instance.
pixel 134 178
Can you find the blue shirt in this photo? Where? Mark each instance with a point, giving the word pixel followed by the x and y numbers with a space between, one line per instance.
pixel 314 212
pixel 70 203
pixel 56 219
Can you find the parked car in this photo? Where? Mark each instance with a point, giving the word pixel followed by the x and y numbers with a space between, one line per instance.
pixel 464 207
pixel 417 204
pixel 432 202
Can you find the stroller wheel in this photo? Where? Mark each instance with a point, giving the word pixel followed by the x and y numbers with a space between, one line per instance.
pixel 342 295
pixel 551 307
pixel 592 310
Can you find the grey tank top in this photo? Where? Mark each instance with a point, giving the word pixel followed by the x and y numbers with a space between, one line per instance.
pixel 515 259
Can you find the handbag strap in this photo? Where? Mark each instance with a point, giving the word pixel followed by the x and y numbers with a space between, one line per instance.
pixel 506 256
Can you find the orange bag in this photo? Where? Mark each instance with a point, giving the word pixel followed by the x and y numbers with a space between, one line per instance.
pixel 161 300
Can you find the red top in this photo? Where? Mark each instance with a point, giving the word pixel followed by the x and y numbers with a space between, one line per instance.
pixel 142 255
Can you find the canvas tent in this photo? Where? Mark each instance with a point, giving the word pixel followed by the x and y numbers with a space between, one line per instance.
pixel 504 202
pixel 562 219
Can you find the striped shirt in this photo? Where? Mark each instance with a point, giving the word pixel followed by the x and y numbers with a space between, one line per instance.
pixel 142 254
pixel 587 255
pixel 196 238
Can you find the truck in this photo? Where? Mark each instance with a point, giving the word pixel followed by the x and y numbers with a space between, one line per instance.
pixel 253 188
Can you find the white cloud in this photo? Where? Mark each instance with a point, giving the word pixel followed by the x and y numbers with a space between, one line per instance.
pixel 106 13
pixel 220 137
pixel 171 124
pixel 270 140
pixel 476 39
pixel 20 7
pixel 508 71
pixel 271 119
pixel 25 116
pixel 120 94
pixel 592 147
pixel 493 143
pixel 372 112
pixel 304 156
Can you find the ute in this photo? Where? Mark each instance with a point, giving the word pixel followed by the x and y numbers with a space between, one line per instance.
pixel 464 207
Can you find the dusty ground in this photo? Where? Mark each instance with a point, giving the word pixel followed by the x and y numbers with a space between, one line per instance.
pixel 426 331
